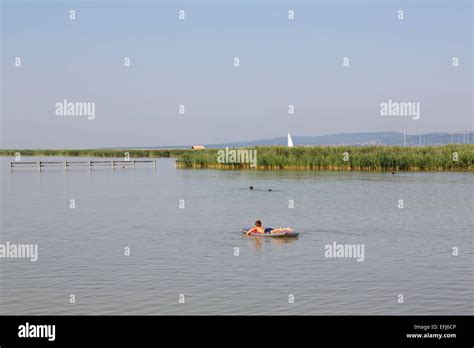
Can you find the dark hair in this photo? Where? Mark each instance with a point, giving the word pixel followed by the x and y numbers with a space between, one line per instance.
pixel 251 187
pixel 258 223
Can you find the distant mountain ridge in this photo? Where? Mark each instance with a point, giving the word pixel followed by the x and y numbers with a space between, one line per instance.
pixel 361 139
pixel 353 139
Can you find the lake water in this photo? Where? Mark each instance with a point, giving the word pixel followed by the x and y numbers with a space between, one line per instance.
pixel 190 251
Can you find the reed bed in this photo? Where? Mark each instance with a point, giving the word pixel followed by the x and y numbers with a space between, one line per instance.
pixel 362 158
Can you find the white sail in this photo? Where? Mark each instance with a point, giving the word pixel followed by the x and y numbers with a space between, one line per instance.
pixel 290 142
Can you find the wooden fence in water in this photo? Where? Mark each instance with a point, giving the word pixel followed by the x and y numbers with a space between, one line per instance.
pixel 113 164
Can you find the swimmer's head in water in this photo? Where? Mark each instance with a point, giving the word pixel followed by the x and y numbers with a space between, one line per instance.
pixel 251 187
pixel 269 189
pixel 258 223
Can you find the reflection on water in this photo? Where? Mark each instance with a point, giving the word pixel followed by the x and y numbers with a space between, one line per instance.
pixel 283 241
pixel 190 250
pixel 258 242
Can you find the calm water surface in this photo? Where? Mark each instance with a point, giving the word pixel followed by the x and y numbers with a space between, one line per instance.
pixel 190 251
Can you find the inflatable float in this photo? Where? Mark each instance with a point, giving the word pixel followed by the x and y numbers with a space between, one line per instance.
pixel 282 233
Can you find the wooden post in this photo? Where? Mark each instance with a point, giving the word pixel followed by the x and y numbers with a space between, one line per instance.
pixel 133 164
pixel 89 165
pixel 39 166
pixel 154 164
pixel 113 165
pixel 11 165
pixel 65 165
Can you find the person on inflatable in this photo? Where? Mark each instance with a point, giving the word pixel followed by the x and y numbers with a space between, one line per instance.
pixel 257 229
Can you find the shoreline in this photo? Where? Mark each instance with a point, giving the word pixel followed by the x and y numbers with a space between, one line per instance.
pixel 323 169
pixel 440 158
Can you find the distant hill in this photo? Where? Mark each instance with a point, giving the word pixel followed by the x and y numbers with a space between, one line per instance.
pixel 354 139
pixel 361 139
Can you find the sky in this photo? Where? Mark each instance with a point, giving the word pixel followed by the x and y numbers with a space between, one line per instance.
pixel 190 62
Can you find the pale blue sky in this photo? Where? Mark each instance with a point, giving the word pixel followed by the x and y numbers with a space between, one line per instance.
pixel 191 62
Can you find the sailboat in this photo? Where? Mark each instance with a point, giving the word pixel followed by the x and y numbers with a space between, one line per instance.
pixel 290 142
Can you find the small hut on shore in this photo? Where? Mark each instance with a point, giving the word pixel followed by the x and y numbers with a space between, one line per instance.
pixel 198 147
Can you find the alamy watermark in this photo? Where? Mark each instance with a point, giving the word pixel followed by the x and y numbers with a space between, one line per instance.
pixel 28 330
pixel 402 109
pixel 237 156
pixel 67 108
pixel 20 251
pixel 335 250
